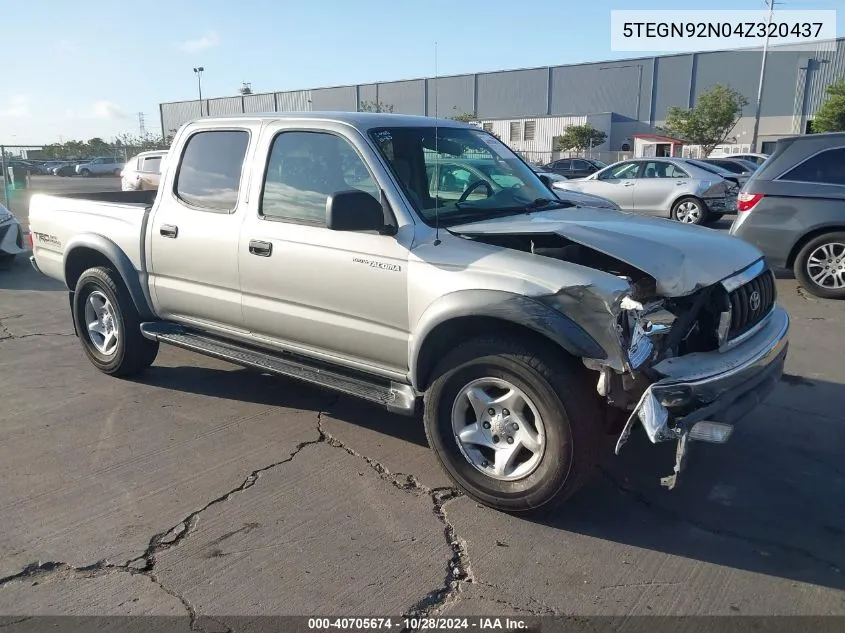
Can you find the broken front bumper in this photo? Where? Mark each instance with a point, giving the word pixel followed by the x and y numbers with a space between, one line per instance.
pixel 712 386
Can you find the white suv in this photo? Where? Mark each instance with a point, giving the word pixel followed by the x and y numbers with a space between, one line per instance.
pixel 101 166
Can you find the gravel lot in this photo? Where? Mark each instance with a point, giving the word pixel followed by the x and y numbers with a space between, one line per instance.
pixel 209 490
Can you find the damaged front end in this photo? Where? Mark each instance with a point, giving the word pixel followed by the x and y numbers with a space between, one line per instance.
pixel 686 367
pixel 685 359
pixel 702 361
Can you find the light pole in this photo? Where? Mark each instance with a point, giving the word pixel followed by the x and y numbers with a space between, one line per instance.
pixel 198 70
pixel 756 130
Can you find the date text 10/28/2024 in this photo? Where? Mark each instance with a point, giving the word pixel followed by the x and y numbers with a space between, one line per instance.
pixel 419 624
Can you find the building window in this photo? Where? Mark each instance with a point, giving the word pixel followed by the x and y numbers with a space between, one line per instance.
pixel 515 134
pixel 530 129
pixel 488 127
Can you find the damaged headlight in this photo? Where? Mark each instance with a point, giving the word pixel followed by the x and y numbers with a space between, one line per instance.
pixel 645 325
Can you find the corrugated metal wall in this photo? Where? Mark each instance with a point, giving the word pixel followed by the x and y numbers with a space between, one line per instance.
pixel 794 89
pixel 224 106
pixel 260 103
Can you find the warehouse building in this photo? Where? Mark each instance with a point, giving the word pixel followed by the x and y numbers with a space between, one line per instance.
pixel 629 98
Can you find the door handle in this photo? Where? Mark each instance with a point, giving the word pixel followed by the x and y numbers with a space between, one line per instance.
pixel 628 184
pixel 169 230
pixel 262 249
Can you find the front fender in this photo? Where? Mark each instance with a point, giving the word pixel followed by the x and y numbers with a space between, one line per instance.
pixel 134 280
pixel 506 306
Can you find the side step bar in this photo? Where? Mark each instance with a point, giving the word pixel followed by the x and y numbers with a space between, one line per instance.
pixel 395 397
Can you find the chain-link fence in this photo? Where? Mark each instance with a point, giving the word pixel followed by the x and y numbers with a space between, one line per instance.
pixel 17 173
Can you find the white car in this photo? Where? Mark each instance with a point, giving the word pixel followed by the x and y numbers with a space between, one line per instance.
pixel 101 166
pixel 143 171
pixel 11 237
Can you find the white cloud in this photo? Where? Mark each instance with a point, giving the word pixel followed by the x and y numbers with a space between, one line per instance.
pixel 107 110
pixel 18 106
pixel 209 40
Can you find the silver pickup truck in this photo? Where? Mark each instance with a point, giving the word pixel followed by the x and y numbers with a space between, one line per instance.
pixel 362 252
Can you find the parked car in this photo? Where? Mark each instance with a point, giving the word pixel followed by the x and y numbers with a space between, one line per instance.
pixel 736 180
pixel 575 167
pixel 68 169
pixel 757 159
pixel 142 172
pixel 311 246
pixel 793 209
pixel 666 187
pixel 11 237
pixel 736 166
pixel 101 166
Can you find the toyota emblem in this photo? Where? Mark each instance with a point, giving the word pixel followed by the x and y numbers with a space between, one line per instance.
pixel 754 301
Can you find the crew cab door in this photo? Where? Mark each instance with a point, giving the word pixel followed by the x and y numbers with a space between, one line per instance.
pixel 193 232
pixel 338 295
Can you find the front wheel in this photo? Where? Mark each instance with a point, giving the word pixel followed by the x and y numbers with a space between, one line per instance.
pixel 689 211
pixel 515 427
pixel 109 325
pixel 820 266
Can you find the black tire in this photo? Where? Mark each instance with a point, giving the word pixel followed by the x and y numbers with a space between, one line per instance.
pixel 565 401
pixel 714 217
pixel 85 173
pixel 702 210
pixel 800 267
pixel 133 353
pixel 116 172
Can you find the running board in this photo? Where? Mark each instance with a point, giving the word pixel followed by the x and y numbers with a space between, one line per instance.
pixel 395 397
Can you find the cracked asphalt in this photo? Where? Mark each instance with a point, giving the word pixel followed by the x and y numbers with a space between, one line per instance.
pixel 204 490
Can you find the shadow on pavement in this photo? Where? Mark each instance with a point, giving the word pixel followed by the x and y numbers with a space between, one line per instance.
pixel 248 385
pixel 22 276
pixel 769 501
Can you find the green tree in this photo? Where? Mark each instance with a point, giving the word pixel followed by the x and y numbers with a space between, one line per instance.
pixel 831 115
pixel 464 117
pixel 578 137
pixel 711 121
pixel 375 106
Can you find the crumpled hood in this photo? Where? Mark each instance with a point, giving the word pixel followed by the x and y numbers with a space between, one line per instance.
pixel 680 257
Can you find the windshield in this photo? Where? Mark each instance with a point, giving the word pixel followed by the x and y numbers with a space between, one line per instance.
pixel 460 174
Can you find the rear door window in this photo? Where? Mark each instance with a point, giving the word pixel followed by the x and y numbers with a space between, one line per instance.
pixel 209 174
pixel 152 164
pixel 827 168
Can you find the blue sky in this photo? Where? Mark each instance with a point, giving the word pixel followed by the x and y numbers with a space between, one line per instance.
pixel 93 65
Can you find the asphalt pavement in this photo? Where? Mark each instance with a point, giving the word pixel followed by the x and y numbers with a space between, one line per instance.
pixel 201 489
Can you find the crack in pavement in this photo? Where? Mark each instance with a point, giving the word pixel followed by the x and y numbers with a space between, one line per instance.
pixel 458 570
pixel 144 564
pixel 715 530
pixel 544 609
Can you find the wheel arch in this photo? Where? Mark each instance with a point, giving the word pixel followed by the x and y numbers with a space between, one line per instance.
pixel 90 250
pixel 459 316
pixel 807 237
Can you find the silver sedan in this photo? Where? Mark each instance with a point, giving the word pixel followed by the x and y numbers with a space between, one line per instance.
pixel 674 188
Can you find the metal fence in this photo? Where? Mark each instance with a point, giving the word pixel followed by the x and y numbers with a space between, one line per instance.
pixel 546 157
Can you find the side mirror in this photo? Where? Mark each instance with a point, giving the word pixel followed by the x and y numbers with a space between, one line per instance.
pixel 355 210
pixel 546 181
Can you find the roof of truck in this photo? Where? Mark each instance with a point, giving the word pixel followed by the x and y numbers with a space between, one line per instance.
pixel 359 120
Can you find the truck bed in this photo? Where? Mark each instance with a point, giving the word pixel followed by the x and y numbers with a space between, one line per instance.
pixel 132 198
pixel 57 222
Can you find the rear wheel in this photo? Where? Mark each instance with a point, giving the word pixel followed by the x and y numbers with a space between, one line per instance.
pixel 116 172
pixel 820 266
pixel 689 211
pixel 85 173
pixel 514 426
pixel 109 325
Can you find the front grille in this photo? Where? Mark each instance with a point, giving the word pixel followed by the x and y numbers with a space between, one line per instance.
pixel 750 303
